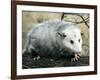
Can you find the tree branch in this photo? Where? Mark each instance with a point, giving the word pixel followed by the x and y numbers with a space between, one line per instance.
pixel 62 16
pixel 83 20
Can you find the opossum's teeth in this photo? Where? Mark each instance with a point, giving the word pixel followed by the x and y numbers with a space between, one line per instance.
pixel 36 58
pixel 76 58
pixel 79 54
pixel 72 60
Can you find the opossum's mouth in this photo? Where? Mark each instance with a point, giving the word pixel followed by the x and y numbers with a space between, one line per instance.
pixel 76 56
pixel 78 53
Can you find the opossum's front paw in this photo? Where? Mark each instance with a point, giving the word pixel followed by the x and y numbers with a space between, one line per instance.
pixel 76 58
pixel 36 58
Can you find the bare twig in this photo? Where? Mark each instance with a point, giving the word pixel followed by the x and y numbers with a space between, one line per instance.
pixel 83 20
pixel 62 16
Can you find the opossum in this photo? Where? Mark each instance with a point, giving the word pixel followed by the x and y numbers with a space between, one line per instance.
pixel 54 37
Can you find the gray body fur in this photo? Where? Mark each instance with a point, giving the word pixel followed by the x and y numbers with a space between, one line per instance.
pixel 44 38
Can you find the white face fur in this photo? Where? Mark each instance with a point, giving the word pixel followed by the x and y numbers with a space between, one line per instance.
pixel 72 39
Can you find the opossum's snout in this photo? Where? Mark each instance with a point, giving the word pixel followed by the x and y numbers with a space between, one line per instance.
pixel 76 53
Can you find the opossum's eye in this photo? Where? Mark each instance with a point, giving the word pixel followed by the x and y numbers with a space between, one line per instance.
pixel 79 40
pixel 82 34
pixel 71 41
pixel 62 35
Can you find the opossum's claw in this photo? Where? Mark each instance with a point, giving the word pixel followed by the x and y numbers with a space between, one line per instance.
pixel 76 58
pixel 36 58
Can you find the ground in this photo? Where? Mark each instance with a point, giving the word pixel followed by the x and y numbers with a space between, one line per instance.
pixel 45 62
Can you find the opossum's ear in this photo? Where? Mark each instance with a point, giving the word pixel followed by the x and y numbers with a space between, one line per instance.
pixel 62 34
pixel 82 34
